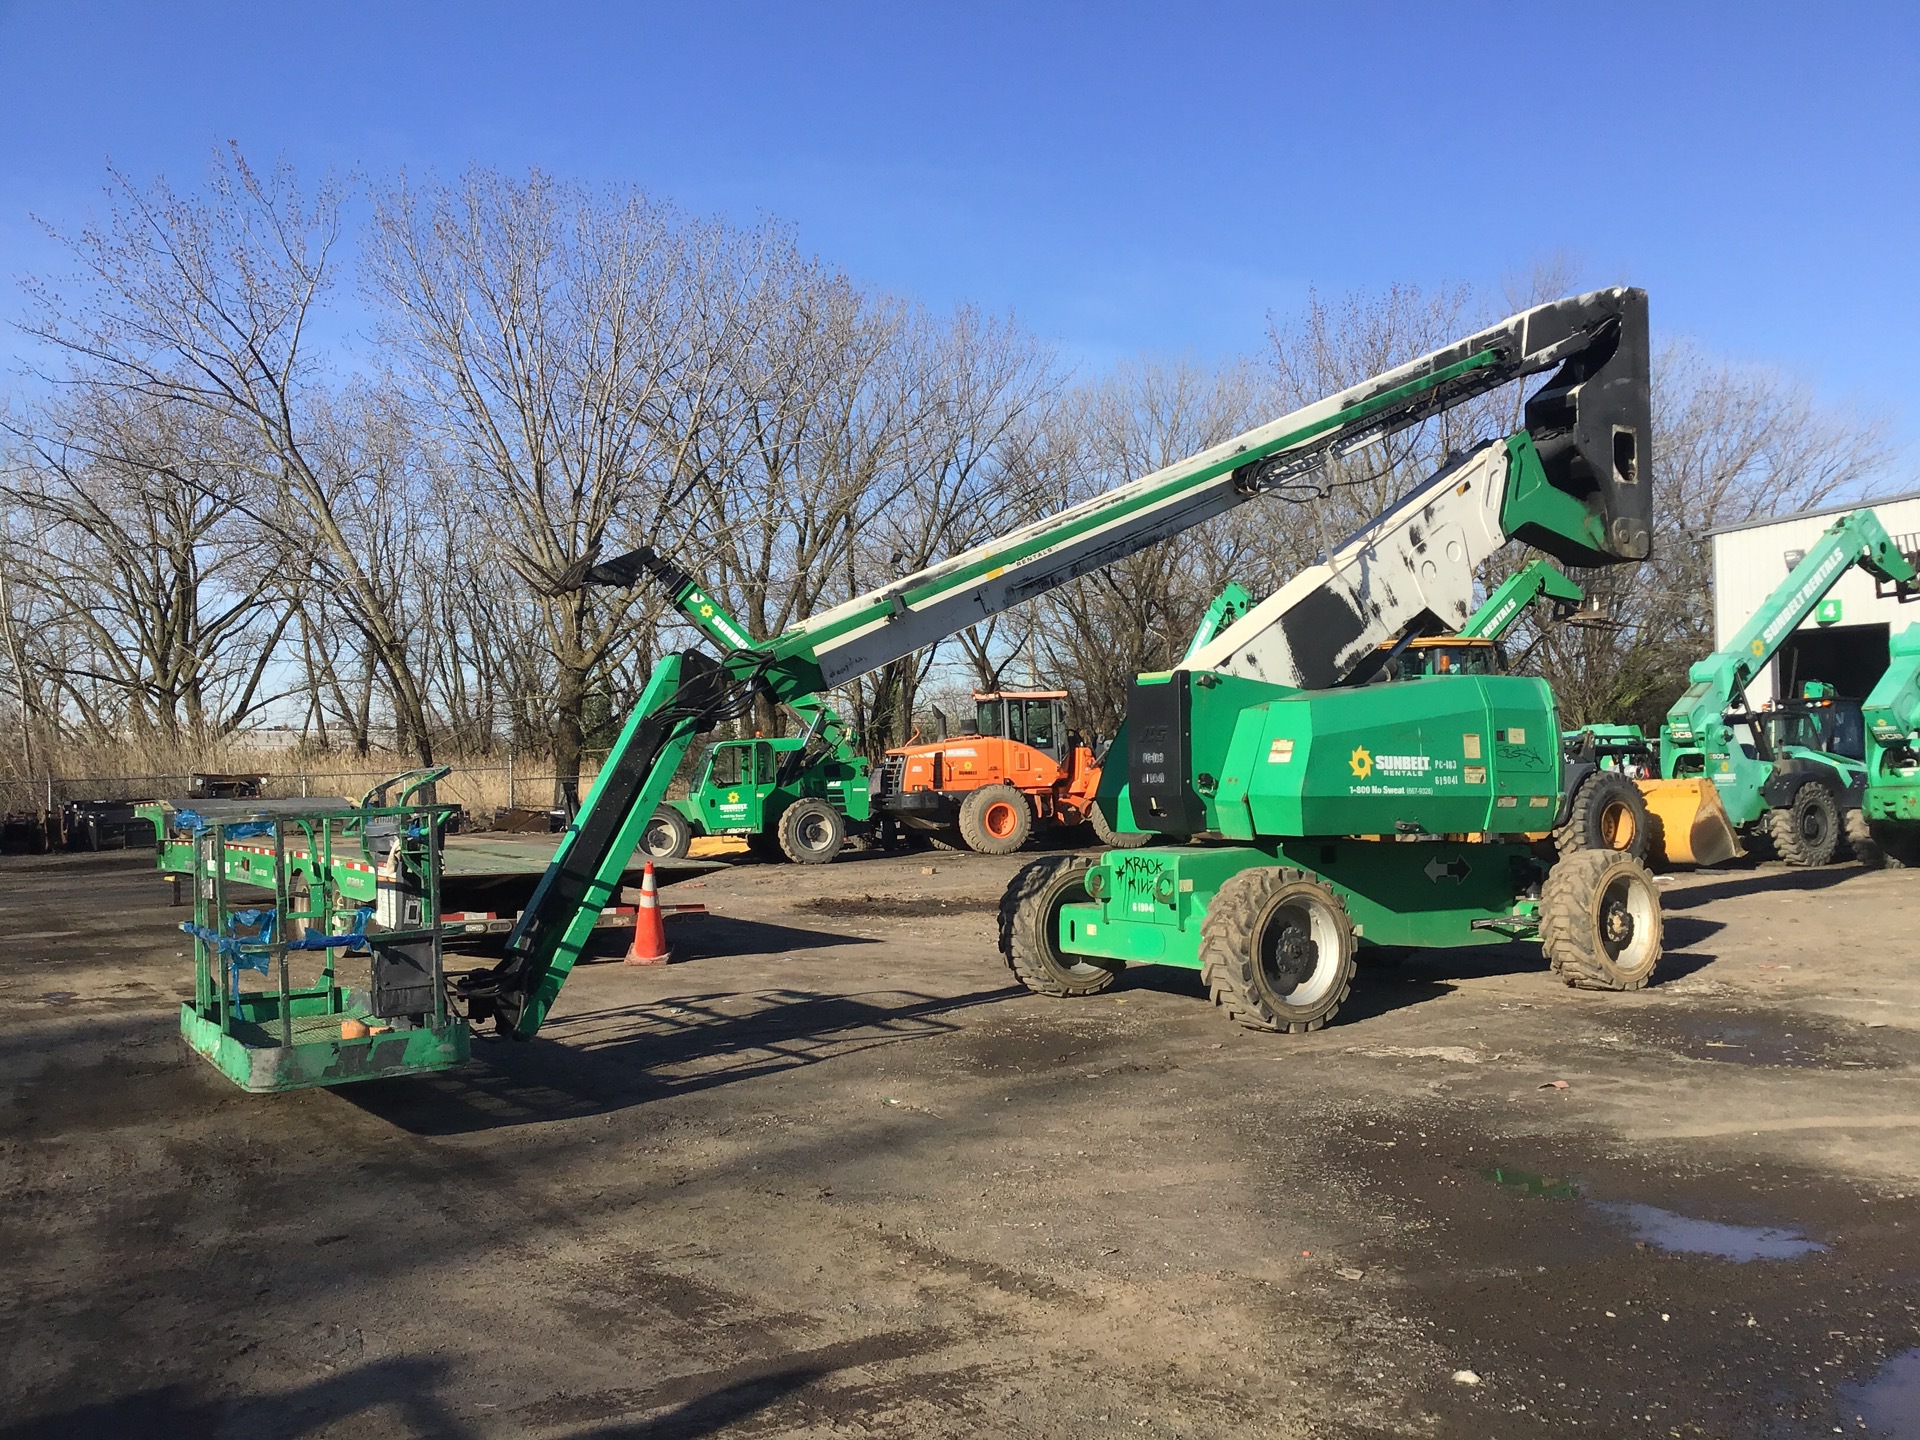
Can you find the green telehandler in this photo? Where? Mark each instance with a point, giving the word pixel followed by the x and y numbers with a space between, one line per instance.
pixel 797 796
pixel 1890 799
pixel 1799 780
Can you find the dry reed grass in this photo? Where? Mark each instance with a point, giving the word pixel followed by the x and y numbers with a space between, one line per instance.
pixel 157 770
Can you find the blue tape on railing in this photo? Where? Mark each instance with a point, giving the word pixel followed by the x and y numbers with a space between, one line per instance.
pixel 254 952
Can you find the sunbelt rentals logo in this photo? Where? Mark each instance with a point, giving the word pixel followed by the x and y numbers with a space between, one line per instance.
pixel 1361 762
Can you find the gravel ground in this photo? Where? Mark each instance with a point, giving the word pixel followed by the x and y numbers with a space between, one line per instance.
pixel 828 1174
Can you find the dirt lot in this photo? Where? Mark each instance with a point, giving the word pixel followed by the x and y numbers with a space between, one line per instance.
pixel 830 1175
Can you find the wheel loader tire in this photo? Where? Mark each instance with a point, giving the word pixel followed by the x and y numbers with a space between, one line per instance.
pixel 1860 840
pixel 1029 929
pixel 1608 812
pixel 1898 843
pixel 995 820
pixel 1276 950
pixel 1115 839
pixel 668 835
pixel 945 840
pixel 1807 832
pixel 811 832
pixel 1600 921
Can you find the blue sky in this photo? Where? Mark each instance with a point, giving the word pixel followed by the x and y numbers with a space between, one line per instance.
pixel 1123 177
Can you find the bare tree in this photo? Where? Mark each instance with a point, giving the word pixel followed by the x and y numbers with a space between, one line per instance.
pixel 144 549
pixel 561 345
pixel 205 302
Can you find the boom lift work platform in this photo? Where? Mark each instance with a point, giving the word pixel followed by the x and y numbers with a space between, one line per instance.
pixel 1570 483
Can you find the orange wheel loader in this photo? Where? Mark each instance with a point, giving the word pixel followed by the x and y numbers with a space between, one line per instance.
pixel 986 791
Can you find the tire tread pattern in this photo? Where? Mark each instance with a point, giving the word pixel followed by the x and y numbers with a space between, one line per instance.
pixel 1227 960
pixel 1568 933
pixel 1019 931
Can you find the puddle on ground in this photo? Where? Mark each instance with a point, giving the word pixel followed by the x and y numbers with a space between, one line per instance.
pixel 1547 1187
pixel 1664 1229
pixel 1686 1235
pixel 898 907
pixel 1888 1404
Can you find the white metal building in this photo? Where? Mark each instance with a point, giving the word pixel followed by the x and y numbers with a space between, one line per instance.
pixel 1844 642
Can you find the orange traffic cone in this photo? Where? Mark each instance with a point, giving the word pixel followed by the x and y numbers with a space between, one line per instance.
pixel 649 933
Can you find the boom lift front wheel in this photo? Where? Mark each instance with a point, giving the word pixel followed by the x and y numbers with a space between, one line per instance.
pixel 1600 921
pixel 1030 929
pixel 995 820
pixel 811 832
pixel 1276 950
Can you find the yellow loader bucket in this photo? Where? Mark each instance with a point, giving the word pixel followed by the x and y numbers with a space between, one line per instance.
pixel 1690 821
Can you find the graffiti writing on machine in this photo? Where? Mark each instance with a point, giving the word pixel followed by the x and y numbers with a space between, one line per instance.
pixel 1400 774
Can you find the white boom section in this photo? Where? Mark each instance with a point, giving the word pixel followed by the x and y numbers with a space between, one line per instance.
pixel 922 609
pixel 1418 557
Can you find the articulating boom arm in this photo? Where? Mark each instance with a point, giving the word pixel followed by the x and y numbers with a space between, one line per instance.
pixel 1716 684
pixel 1589 504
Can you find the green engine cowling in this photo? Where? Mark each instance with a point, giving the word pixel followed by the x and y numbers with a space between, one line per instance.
pixel 1237 759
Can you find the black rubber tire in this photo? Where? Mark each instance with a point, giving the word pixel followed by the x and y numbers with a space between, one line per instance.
pixel 811 832
pixel 1115 839
pixel 1600 921
pixel 1029 911
pixel 1898 843
pixel 1807 832
pixel 1861 841
pixel 945 840
pixel 983 813
pixel 668 835
pixel 1249 918
pixel 1607 812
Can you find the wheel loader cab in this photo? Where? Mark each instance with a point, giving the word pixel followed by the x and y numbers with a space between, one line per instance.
pixel 1036 719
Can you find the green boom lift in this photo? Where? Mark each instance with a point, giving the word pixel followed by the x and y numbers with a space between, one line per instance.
pixel 1303 813
pixel 1890 802
pixel 1587 439
pixel 793 795
pixel 1569 483
pixel 1796 781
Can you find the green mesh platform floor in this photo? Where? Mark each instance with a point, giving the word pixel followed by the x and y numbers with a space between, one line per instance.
pixel 306 1028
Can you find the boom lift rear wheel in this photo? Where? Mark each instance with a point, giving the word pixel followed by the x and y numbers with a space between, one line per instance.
pixel 1276 950
pixel 1806 832
pixel 1607 812
pixel 668 836
pixel 1600 921
pixel 811 832
pixel 1030 929
pixel 995 820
